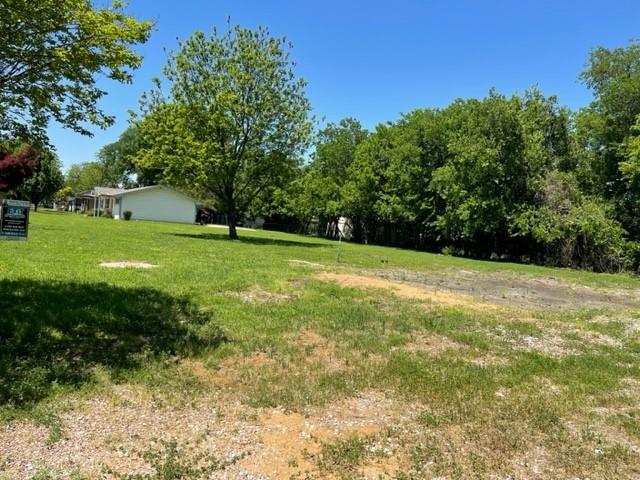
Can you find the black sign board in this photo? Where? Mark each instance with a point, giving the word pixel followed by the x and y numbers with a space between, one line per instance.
pixel 14 219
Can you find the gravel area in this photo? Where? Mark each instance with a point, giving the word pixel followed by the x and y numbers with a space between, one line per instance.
pixel 255 443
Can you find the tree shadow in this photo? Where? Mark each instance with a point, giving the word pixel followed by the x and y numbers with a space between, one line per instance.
pixel 56 333
pixel 248 240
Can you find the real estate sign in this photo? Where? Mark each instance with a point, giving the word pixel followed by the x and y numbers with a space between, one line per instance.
pixel 14 219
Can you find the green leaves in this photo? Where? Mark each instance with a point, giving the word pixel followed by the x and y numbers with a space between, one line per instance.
pixel 235 120
pixel 605 132
pixel 50 55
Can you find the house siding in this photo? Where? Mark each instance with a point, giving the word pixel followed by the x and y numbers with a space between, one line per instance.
pixel 159 204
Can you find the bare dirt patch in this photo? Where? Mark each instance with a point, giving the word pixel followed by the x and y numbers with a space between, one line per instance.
pixel 509 295
pixel 257 295
pixel 519 292
pixel 432 345
pixel 112 431
pixel 318 349
pixel 290 439
pixel 127 264
pixel 555 342
pixel 401 289
pixel 255 443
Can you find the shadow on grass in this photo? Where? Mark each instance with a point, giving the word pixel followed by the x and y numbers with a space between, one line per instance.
pixel 249 240
pixel 55 333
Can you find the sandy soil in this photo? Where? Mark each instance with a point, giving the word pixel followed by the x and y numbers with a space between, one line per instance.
pixel 465 288
pixel 255 443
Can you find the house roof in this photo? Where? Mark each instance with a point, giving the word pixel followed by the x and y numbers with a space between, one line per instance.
pixel 101 192
pixel 119 192
pixel 151 187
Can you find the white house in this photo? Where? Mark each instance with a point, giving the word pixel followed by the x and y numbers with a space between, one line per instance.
pixel 156 202
pixel 96 201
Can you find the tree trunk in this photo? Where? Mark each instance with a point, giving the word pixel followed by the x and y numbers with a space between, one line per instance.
pixel 35 206
pixel 231 219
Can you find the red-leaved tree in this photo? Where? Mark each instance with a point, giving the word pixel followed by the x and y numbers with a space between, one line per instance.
pixel 17 167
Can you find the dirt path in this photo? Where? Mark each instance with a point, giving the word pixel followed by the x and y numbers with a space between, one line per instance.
pixel 466 288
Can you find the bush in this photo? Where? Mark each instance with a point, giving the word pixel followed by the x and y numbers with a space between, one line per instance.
pixel 107 213
pixel 584 237
pixel 127 215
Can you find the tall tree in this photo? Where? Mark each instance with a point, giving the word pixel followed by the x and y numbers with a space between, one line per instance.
pixel 46 181
pixel 118 161
pixel 50 55
pixel 85 176
pixel 322 183
pixel 234 123
pixel 605 127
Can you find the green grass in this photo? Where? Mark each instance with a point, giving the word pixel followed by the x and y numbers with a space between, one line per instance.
pixel 69 328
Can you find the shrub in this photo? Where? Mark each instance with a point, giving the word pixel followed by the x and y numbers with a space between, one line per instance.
pixel 573 230
pixel 107 213
pixel 127 215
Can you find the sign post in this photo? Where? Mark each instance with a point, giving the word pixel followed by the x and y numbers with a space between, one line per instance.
pixel 14 219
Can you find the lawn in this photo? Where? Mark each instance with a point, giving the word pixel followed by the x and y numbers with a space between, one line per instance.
pixel 282 356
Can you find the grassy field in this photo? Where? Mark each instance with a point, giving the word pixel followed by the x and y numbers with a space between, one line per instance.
pixel 280 356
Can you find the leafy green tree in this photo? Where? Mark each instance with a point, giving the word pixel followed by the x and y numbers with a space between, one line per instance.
pixel 571 229
pixel 48 179
pixel 499 150
pixel 363 194
pixel 235 121
pixel 84 176
pixel 321 185
pixel 605 127
pixel 50 55
pixel 484 178
pixel 118 161
pixel 421 146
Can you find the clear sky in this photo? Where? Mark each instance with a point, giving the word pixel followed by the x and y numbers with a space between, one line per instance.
pixel 376 59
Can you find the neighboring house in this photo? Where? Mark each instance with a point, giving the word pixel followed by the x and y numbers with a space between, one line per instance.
pixel 156 202
pixel 97 201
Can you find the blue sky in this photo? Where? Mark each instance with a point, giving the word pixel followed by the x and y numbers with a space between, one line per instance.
pixel 376 59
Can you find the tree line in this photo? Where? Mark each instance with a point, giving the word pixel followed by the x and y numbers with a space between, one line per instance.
pixel 517 177
pixel 520 178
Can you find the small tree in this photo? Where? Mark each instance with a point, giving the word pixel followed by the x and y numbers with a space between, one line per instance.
pixel 46 181
pixel 235 122
pixel 16 168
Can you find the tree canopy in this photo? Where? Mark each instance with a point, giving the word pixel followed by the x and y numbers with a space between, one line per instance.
pixel 118 161
pixel 497 176
pixel 235 120
pixel 84 176
pixel 50 55
pixel 45 182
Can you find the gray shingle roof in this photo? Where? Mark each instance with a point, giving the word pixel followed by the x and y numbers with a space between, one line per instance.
pixel 107 191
